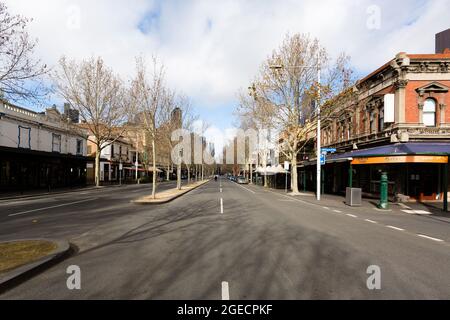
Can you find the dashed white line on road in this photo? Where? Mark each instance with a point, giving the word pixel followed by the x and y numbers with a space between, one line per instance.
pixel 220 190
pixel 395 228
pixel 221 205
pixel 326 208
pixel 430 238
pixel 246 188
pixel 351 215
pixel 52 207
pixel 371 221
pixel 337 211
pixel 225 291
pixel 404 206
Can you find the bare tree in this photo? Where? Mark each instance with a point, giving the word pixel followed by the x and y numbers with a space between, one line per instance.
pixel 149 100
pixel 256 112
pixel 20 74
pixel 287 91
pixel 91 88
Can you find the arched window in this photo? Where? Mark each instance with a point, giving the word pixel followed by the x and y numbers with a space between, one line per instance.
pixel 429 113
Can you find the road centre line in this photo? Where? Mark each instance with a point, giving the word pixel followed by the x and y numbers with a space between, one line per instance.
pixel 371 221
pixel 337 211
pixel 351 215
pixel 221 205
pixel 52 207
pixel 225 291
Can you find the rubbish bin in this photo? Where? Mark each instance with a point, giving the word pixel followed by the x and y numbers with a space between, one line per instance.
pixel 353 197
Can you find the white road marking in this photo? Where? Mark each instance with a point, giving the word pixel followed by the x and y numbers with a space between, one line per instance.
pixel 417 212
pixel 326 208
pixel 430 238
pixel 52 207
pixel 221 205
pixel 246 188
pixel 225 291
pixel 395 228
pixel 351 215
pixel 404 206
pixel 371 221
pixel 337 211
pixel 220 190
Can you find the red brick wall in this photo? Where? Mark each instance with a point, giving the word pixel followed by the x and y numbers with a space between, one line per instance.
pixel 412 110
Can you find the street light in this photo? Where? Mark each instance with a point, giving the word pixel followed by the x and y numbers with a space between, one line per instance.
pixel 318 154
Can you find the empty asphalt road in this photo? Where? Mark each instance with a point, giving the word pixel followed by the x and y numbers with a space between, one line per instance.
pixel 226 240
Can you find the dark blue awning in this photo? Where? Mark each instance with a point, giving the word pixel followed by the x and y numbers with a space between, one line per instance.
pixel 398 149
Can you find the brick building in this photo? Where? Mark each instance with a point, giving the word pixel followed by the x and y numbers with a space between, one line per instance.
pixel 395 120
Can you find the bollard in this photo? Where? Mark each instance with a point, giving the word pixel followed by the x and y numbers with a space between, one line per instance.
pixel 383 191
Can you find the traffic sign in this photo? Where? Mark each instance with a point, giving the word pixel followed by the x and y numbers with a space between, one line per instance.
pixel 328 150
pixel 323 159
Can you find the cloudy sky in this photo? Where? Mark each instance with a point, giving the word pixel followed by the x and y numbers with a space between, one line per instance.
pixel 213 48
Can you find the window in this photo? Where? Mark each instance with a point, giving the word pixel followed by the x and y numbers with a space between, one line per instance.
pixel 372 122
pixel 89 149
pixel 429 113
pixel 79 147
pixel 112 150
pixel 381 120
pixel 56 142
pixel 24 137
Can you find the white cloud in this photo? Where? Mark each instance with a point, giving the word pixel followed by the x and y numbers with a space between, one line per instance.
pixel 213 48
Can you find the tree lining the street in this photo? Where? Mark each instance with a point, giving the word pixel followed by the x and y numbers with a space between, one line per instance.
pixel 286 93
pixel 21 75
pixel 93 89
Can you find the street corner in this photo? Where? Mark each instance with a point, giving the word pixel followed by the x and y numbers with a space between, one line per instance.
pixel 19 258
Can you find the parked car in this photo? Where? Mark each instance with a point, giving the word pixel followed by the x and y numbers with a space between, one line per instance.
pixel 242 180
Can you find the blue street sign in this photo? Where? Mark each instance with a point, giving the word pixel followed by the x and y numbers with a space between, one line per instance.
pixel 328 150
pixel 323 159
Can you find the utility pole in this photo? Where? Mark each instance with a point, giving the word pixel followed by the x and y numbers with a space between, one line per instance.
pixel 319 153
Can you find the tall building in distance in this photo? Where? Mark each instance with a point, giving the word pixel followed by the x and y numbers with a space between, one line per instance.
pixel 443 41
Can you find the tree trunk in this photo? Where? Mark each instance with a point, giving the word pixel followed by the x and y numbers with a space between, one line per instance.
pixel 154 169
pixel 188 174
pixel 294 180
pixel 168 172
pixel 97 167
pixel 251 173
pixel 179 177
pixel 203 172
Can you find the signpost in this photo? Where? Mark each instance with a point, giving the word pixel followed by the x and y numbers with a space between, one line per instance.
pixel 120 172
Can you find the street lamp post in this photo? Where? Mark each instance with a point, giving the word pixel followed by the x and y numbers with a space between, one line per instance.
pixel 319 153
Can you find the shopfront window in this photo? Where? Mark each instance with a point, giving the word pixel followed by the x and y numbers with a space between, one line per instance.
pixel 429 113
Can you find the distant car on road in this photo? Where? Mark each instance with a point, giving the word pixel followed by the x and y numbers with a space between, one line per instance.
pixel 242 180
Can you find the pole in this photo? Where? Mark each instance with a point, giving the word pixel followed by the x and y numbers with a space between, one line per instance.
pixel 350 176
pixel 287 181
pixel 445 181
pixel 319 182
pixel 136 163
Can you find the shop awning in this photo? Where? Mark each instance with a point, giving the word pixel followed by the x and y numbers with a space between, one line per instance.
pixel 413 152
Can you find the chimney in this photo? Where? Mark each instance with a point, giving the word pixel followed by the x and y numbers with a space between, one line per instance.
pixel 443 41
